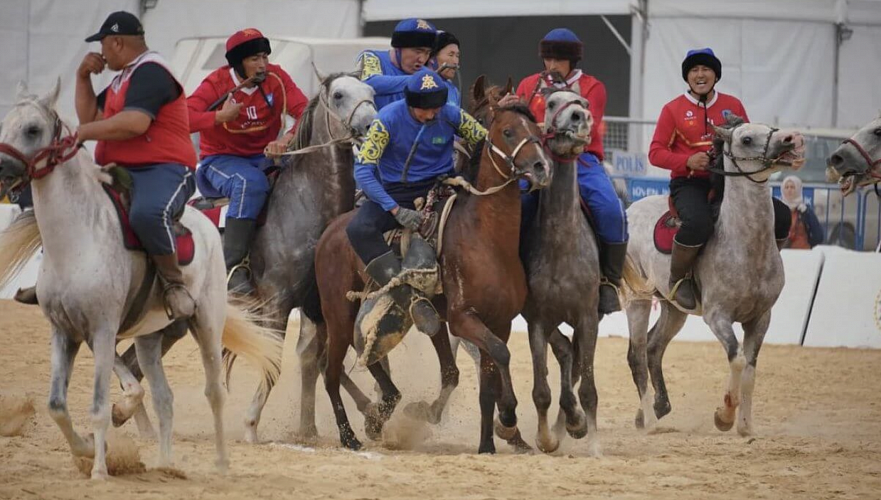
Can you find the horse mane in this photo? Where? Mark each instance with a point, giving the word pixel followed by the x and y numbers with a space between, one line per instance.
pixel 719 143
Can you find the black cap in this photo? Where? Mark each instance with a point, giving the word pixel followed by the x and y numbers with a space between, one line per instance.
pixel 118 23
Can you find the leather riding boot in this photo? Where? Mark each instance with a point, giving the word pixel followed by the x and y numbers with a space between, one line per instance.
pixel 612 257
pixel 27 296
pixel 383 269
pixel 682 289
pixel 237 238
pixel 179 304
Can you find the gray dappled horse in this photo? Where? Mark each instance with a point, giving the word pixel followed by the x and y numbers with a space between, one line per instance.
pixel 95 291
pixel 560 256
pixel 857 162
pixel 740 274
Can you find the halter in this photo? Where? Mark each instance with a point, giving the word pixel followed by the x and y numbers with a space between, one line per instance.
pixel 509 159
pixel 871 164
pixel 767 163
pixel 549 125
pixel 44 161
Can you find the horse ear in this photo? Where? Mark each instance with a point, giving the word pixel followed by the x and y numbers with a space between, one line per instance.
pixel 478 90
pixel 51 98
pixel 723 133
pixel 318 74
pixel 22 90
pixel 509 86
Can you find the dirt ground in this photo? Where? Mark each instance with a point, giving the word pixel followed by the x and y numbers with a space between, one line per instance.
pixel 817 421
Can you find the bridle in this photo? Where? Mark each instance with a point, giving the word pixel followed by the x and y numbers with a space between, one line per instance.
pixel 871 164
pixel 767 163
pixel 44 160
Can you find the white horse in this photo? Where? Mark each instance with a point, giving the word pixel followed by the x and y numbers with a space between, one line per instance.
pixel 89 283
pixel 740 273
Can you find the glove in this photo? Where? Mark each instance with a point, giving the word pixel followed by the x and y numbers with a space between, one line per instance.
pixel 409 218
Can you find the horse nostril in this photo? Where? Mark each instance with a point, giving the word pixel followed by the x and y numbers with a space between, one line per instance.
pixel 836 159
pixel 577 117
pixel 787 139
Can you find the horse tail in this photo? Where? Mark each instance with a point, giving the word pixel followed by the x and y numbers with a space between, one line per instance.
pixel 635 284
pixel 18 243
pixel 244 336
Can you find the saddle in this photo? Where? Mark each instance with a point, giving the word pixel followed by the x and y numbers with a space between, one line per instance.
pixel 668 224
pixel 215 208
pixel 120 194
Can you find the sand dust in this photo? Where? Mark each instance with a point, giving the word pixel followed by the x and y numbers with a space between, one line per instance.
pixel 817 422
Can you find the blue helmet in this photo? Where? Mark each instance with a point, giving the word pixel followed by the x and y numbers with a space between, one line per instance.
pixel 425 90
pixel 561 43
pixel 413 33
pixel 704 57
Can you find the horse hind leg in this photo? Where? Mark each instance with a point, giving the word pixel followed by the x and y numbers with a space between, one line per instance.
pixel 586 331
pixel 64 351
pixel 209 333
pixel 541 391
pixel 570 418
pixel 753 336
pixel 725 415
pixel 446 356
pixel 659 337
pixel 637 321
pixel 377 414
pixel 149 349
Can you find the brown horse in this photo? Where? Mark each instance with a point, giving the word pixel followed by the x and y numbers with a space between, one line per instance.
pixel 483 279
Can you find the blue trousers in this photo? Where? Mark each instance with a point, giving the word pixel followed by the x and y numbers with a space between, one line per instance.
pixel 598 193
pixel 159 194
pixel 239 178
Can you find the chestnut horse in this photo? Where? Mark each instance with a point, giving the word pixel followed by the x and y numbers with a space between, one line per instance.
pixel 483 279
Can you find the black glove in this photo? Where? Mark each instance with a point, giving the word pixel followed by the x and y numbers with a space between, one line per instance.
pixel 409 218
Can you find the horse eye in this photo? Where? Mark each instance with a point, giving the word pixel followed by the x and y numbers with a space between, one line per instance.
pixel 878 131
pixel 33 131
pixel 552 105
pixel 507 132
pixel 747 140
pixel 337 95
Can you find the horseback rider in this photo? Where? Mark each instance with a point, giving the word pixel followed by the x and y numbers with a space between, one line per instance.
pixel 140 122
pixel 408 148
pixel 682 144
pixel 445 60
pixel 561 50
pixel 236 139
pixel 388 71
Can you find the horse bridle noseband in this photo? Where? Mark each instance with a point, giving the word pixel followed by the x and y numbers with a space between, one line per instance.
pixel 44 161
pixel 516 171
pixel 865 154
pixel 767 163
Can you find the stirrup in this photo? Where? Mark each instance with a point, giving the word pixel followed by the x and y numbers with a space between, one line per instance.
pixel 672 297
pixel 244 264
pixel 605 282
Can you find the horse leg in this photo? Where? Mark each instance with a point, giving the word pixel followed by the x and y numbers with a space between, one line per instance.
pixel 541 391
pixel 586 332
pixel 104 350
pixel 132 395
pixel 571 418
pixel 336 354
pixel 638 320
pixel 208 333
pixel 722 328
pixel 446 357
pixel 377 414
pixel 149 349
pixel 487 398
pixel 659 338
pixel 309 350
pixel 64 351
pixel 753 336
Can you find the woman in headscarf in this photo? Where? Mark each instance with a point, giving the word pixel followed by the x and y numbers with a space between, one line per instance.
pixel 805 231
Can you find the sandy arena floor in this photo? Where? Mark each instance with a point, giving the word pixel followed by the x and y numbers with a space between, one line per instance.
pixel 817 421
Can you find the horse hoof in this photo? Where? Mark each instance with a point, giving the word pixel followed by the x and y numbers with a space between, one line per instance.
pixel 373 422
pixel 419 410
pixel 503 432
pixel 594 449
pixel 662 408
pixel 251 435
pixel 352 443
pixel 117 416
pixel 308 432
pixel 487 449
pixel 639 421
pixel 547 444
pixel 100 475
pixel 745 430
pixel 721 424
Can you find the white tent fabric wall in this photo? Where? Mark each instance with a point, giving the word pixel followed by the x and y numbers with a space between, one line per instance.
pixel 43 40
pixel 859 86
pixel 781 70
pixel 171 21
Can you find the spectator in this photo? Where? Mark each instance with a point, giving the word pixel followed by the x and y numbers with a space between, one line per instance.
pixel 805 231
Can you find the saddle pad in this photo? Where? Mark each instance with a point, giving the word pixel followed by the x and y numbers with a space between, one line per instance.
pixel 186 246
pixel 665 229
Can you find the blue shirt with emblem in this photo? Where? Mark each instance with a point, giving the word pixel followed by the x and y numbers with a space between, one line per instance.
pixel 382 158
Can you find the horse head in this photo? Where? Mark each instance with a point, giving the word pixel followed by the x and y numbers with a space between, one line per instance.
pixel 857 162
pixel 30 127
pixel 350 100
pixel 514 137
pixel 756 151
pixel 567 123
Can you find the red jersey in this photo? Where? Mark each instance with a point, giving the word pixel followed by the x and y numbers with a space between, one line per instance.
pixel 589 87
pixel 260 119
pixel 167 140
pixel 684 129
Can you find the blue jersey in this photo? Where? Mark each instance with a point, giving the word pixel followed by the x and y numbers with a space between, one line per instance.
pixel 453 94
pixel 386 79
pixel 382 159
